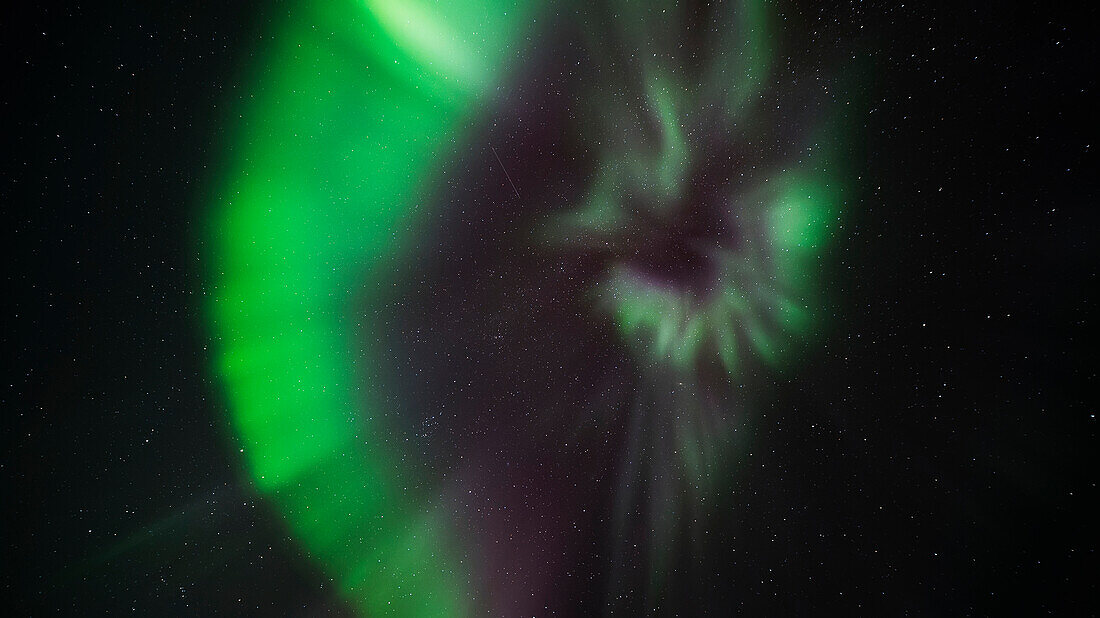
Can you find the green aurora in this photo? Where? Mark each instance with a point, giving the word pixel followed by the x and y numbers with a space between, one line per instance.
pixel 327 180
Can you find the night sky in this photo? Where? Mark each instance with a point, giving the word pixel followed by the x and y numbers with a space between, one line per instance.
pixel 637 308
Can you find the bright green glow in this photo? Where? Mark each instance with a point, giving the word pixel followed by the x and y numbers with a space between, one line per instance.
pixel 346 120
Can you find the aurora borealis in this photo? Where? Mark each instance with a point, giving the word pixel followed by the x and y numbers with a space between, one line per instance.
pixel 328 178
pixel 361 112
pixel 612 308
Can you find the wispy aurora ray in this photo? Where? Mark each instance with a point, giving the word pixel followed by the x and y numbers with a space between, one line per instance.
pixel 714 206
pixel 721 186
pixel 357 111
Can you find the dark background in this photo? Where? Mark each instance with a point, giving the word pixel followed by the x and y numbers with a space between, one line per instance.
pixel 934 461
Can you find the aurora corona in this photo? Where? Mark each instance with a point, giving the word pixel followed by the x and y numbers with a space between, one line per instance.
pixel 687 209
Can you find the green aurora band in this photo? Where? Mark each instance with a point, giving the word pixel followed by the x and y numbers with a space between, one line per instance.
pixel 354 110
